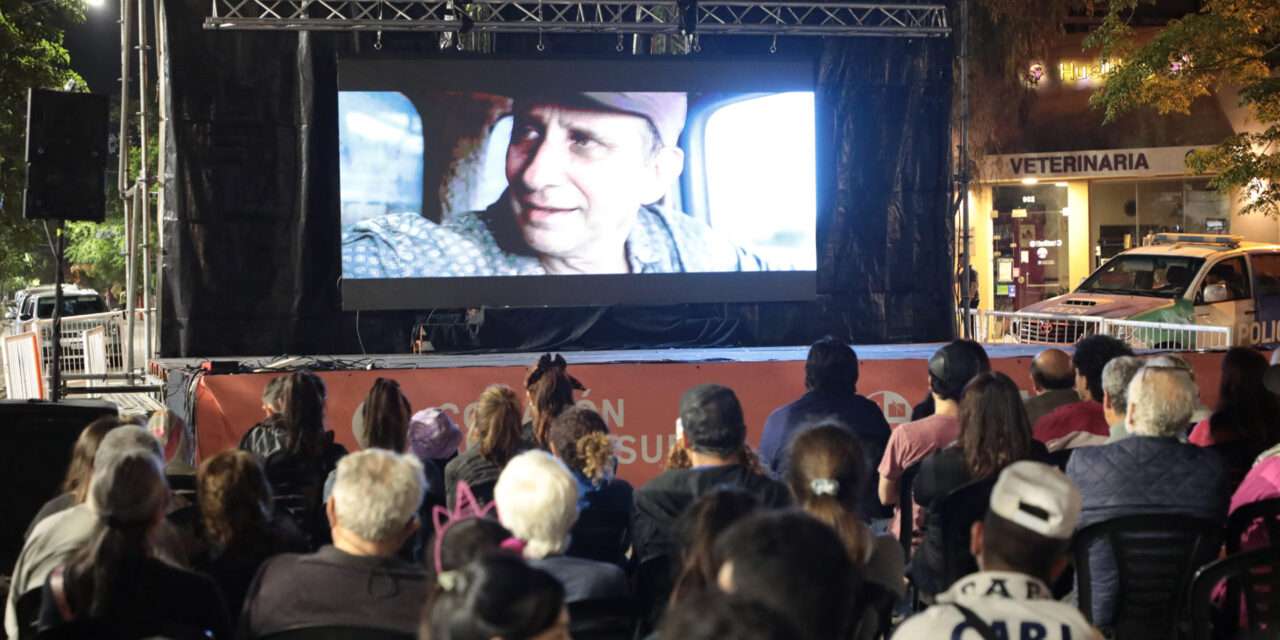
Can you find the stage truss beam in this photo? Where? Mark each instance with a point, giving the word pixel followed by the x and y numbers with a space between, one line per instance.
pixel 714 17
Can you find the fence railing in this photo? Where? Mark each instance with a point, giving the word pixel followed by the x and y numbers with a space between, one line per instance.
pixel 1063 329
pixel 91 344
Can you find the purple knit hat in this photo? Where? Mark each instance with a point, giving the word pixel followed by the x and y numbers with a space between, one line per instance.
pixel 433 434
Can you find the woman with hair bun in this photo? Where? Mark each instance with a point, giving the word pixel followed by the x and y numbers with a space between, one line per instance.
pixel 493 439
pixel 550 390
pixel 498 597
pixel 580 438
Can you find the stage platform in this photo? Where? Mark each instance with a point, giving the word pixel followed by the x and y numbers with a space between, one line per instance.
pixel 637 391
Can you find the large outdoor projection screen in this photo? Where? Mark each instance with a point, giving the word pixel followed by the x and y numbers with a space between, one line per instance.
pixel 565 182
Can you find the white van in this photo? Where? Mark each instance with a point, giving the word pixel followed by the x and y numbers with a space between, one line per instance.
pixel 1200 279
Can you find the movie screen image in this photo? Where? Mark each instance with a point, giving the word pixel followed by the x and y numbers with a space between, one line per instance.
pixel 501 178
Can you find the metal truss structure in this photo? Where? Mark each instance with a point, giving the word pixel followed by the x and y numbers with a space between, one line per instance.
pixel 719 17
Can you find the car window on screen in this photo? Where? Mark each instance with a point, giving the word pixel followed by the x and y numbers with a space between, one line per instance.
pixel 760 170
pixel 380 155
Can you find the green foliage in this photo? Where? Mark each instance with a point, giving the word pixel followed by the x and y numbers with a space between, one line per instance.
pixel 1227 44
pixel 31 55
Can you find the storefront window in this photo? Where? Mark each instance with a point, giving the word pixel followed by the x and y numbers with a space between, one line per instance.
pixel 1029 244
pixel 1122 214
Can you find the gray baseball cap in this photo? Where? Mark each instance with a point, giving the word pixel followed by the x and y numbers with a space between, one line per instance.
pixel 666 110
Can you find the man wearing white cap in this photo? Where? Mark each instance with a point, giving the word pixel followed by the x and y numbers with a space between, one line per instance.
pixel 1021 547
pixel 585 172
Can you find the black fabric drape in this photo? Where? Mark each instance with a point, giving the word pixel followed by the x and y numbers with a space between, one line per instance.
pixel 252 236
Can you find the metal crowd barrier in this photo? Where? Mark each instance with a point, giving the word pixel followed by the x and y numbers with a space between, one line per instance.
pixel 91 344
pixel 1062 329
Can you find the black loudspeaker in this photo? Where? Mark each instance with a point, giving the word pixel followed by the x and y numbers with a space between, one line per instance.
pixel 66 156
pixel 36 438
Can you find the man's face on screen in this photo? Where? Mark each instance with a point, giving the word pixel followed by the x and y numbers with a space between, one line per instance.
pixel 577 177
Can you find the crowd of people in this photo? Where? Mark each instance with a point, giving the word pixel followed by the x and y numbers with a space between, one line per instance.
pixel 835 526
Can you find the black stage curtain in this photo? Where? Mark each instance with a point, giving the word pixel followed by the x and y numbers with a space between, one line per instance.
pixel 251 226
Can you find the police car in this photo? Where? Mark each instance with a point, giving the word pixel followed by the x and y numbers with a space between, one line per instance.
pixel 1178 278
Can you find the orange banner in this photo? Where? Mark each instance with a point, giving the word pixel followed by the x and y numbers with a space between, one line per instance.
pixel 639 402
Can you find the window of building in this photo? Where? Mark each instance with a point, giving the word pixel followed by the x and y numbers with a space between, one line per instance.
pixel 1122 214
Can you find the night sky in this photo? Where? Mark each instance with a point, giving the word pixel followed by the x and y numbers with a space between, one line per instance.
pixel 95 47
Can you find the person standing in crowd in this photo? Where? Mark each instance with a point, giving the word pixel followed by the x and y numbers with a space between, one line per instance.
pixel 1152 471
pixel 580 439
pixel 826 471
pixel 994 433
pixel 950 369
pixel 831 391
pixel 241 528
pixel 1244 422
pixel 498 597
pixel 1116 377
pixel 1021 546
pixel 357 581
pixel 537 500
pixel 434 437
pixel 60 535
pixel 1053 382
pixel 796 566
pixel 114 584
pixel 309 453
pixel 549 388
pixel 75 487
pixel 269 435
pixel 493 439
pixel 1091 356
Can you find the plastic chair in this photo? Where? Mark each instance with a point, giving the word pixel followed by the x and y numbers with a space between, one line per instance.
pixel 1253 588
pixel 1264 513
pixel 27 610
pixel 1156 556
pixel 1060 458
pixel 956 512
pixel 603 619
pixel 906 506
pixel 339 633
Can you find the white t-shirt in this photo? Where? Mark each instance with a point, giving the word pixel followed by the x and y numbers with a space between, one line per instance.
pixel 1016 606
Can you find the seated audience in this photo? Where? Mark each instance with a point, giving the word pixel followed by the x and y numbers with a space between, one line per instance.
pixel 696 532
pixel 1261 483
pixel 1091 356
pixel 300 468
pixel 994 433
pixel 714 435
pixel 826 471
pixel 357 581
pixel 1151 471
pixel 241 529
pixel 434 437
pixel 537 500
pixel 950 369
pixel 1053 381
pixel 580 439
pixel 1021 548
pixel 171 432
pixel 925 408
pixel 115 582
pixel 1116 377
pixel 1244 422
pixel 712 616
pixel 498 597
pixel 58 536
pixel 831 381
pixel 493 439
pixel 795 565
pixel 549 388
pixel 268 436
pixel 75 486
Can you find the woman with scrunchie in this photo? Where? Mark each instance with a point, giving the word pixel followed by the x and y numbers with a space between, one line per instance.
pixel 115 586
pixel 549 388
pixel 825 472
pixel 580 438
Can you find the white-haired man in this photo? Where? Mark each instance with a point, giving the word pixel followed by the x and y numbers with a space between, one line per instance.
pixel 357 581
pixel 1152 471
pixel 537 500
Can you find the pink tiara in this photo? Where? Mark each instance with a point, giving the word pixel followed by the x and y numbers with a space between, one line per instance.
pixel 466 507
